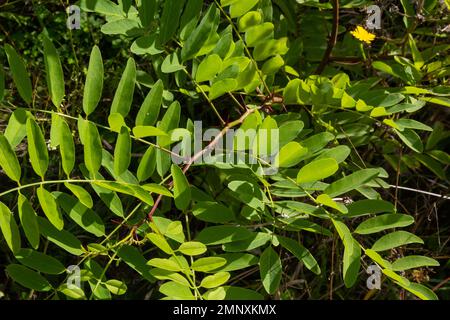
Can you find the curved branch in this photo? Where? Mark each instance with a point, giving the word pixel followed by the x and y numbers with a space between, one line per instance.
pixel 332 40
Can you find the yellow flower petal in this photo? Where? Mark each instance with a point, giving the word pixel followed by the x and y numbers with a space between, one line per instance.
pixel 363 35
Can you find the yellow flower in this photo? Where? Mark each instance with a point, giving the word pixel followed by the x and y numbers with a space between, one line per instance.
pixel 363 35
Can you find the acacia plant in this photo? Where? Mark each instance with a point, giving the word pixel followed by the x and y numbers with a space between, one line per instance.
pixel 91 189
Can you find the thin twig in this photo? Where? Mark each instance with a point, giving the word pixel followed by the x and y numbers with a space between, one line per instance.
pixel 208 148
pixel 332 40
pixel 421 191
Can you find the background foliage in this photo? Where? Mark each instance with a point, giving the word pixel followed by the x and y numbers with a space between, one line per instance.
pixel 87 178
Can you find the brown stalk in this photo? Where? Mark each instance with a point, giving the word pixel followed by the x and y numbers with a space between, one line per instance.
pixel 332 40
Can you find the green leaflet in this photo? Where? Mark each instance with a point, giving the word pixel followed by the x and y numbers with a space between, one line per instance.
pixel 208 264
pixel 28 220
pixel 383 222
pixel 317 170
pixel 255 241
pixel 81 194
pixel 147 10
pixel 272 65
pixel 82 215
pixel 19 73
pixel 125 90
pixel 9 228
pixel 239 8
pixel 159 241
pixel 55 75
pixel 54 130
pixel 165 264
pixel 149 111
pixel 270 270
pixel 221 87
pixel 250 19
pixel 181 188
pixel 176 291
pixel 268 48
pixel 233 293
pixel 168 228
pixel 237 261
pixel 352 254
pixel 28 278
pixel 146 44
pixel 92 148
pixel 208 68
pixel 192 248
pixel 290 155
pixel 17 127
pixel 37 148
pixel 105 7
pixel 222 234
pixel 116 122
pixel 129 189
pixel 266 140
pixel 212 212
pixel 200 35
pixel 39 261
pixel 190 18
pixel 66 147
pixel 171 63
pixel 125 26
pixel 132 257
pixel 301 253
pixel 369 206
pixel 326 200
pixel 108 164
pixel 351 182
pixel 61 238
pixel 50 208
pixel 259 33
pixel 411 262
pixel 94 82
pixel 215 280
pixel 72 291
pixel 419 290
pixel 169 25
pixel 411 139
pixel 169 122
pixel 116 287
pixel 122 152
pixel 395 239
pixel 8 160
pixel 147 165
pixel 162 274
pixel 109 198
pixel 148 131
